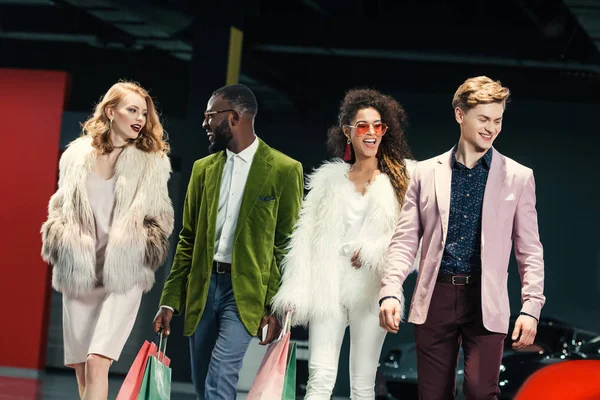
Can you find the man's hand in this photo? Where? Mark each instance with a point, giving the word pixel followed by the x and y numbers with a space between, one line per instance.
pixel 355 260
pixel 389 315
pixel 526 328
pixel 272 331
pixel 163 320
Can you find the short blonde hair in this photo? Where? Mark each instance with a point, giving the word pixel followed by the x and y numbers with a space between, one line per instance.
pixel 152 137
pixel 479 90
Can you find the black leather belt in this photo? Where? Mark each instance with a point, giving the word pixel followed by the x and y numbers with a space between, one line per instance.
pixel 221 268
pixel 459 280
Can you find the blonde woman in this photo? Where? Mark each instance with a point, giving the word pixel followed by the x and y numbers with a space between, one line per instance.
pixel 107 230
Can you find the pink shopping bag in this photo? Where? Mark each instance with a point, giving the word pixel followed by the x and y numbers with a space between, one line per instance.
pixel 268 383
pixel 133 381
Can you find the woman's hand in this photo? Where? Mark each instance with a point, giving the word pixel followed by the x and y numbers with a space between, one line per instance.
pixel 355 260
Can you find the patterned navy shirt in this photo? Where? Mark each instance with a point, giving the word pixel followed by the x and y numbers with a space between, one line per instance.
pixel 462 254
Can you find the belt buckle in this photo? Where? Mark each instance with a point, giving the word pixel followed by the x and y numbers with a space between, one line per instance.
pixel 218 270
pixel 460 284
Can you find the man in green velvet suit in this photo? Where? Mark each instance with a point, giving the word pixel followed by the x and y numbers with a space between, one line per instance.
pixel 240 208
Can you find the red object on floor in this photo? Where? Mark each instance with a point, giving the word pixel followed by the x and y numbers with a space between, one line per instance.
pixel 572 380
pixel 20 388
pixel 31 109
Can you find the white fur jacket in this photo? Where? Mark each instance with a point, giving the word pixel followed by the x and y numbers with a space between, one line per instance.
pixel 316 278
pixel 142 222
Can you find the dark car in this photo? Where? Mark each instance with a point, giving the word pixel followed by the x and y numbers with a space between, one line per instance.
pixel 518 367
pixel 589 350
pixel 397 373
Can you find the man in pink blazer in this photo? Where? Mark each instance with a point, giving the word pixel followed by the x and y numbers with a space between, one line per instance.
pixel 466 206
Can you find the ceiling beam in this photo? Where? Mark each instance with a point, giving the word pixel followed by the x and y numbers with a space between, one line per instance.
pixel 27 2
pixel 434 57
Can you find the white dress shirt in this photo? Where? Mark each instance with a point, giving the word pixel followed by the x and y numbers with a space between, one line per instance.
pixel 233 183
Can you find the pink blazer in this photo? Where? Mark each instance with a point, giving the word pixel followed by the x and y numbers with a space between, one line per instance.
pixel 508 214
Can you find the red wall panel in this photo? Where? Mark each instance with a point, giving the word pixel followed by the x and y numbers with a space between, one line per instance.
pixel 31 108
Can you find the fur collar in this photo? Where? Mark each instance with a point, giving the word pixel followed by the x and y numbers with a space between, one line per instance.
pixel 317 279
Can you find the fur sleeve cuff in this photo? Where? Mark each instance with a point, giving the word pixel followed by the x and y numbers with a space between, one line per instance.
pixel 157 243
pixel 52 231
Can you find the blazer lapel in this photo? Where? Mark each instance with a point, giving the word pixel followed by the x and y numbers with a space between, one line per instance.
pixel 443 185
pixel 257 177
pixel 496 180
pixel 212 183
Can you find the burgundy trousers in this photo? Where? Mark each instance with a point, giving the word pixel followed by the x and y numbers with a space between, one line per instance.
pixel 454 318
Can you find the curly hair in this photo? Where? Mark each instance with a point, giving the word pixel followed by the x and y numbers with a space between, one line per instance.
pixel 393 146
pixel 479 90
pixel 152 137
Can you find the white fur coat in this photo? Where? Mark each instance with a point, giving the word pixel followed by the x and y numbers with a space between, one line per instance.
pixel 316 278
pixel 142 222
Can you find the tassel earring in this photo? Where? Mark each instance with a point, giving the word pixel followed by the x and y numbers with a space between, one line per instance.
pixel 348 152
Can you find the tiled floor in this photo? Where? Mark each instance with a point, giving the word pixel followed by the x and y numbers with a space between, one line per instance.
pixel 62 386
pixel 59 385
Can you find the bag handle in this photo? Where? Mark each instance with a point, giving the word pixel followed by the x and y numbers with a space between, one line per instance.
pixel 164 350
pixel 287 325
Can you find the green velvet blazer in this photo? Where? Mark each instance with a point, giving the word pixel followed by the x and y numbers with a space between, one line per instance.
pixel 270 206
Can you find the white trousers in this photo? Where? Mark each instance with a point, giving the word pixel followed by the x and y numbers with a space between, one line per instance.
pixel 325 340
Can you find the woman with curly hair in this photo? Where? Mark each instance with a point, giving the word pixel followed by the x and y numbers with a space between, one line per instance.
pixel 331 274
pixel 108 230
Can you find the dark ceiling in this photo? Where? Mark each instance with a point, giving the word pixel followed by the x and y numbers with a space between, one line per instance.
pixel 298 51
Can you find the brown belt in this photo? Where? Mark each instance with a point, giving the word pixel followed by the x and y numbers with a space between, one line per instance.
pixel 459 280
pixel 221 267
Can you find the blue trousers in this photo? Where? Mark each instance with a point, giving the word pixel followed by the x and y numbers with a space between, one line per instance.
pixel 219 343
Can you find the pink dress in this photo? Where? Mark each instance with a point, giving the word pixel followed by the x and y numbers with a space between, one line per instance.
pixel 99 323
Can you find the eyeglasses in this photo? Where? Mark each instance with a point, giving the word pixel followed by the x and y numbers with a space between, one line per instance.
pixel 362 128
pixel 209 114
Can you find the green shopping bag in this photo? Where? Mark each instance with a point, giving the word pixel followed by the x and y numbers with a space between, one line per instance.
pixel 156 384
pixel 289 383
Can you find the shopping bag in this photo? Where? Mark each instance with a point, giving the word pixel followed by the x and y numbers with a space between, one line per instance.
pixel 156 384
pixel 133 381
pixel 131 385
pixel 289 383
pixel 270 380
